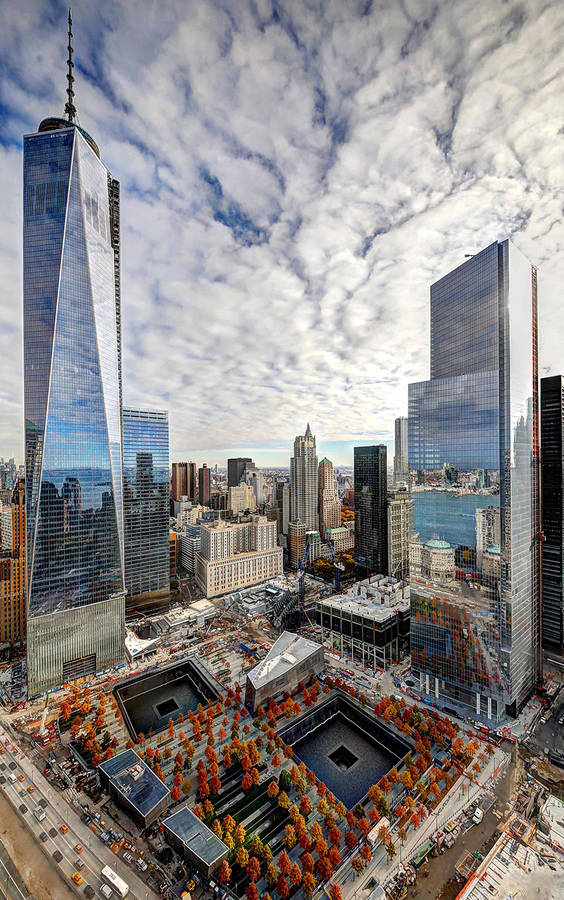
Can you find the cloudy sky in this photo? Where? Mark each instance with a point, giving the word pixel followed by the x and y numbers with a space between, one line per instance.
pixel 294 176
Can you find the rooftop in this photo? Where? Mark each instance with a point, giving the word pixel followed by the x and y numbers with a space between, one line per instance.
pixel 135 781
pixel 288 650
pixel 195 835
pixel 437 544
pixel 378 597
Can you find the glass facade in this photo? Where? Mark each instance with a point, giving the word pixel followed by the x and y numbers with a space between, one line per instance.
pixel 146 502
pixel 72 392
pixel 371 509
pixel 473 446
pixel 552 454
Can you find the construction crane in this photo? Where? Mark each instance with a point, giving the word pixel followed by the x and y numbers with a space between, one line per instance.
pixel 338 565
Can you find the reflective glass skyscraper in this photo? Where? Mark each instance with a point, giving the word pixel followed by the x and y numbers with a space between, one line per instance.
pixel 371 509
pixel 146 508
pixel 473 443
pixel 75 571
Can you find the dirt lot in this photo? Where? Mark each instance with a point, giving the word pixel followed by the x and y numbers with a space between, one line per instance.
pixel 39 875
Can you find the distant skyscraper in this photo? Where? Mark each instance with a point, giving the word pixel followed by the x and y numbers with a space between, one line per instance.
pixel 328 499
pixel 303 481
pixel 146 508
pixel 72 355
pixel 281 500
pixel 236 469
pixel 12 568
pixel 253 477
pixel 552 456
pixel 183 481
pixel 401 463
pixel 473 430
pixel 370 509
pixel 204 485
pixel 401 508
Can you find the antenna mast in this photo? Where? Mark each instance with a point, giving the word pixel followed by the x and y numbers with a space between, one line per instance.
pixel 70 108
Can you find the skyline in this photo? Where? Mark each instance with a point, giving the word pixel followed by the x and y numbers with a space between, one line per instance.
pixel 312 192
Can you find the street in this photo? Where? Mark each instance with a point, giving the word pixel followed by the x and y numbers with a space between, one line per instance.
pixel 95 855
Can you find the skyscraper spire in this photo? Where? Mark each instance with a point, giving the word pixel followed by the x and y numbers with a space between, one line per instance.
pixel 70 108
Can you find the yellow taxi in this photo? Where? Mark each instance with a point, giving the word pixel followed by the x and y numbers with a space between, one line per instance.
pixel 77 878
pixel 63 828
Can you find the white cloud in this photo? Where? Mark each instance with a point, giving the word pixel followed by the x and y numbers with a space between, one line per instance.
pixel 294 176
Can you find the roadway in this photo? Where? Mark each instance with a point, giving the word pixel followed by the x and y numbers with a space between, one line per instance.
pixel 95 854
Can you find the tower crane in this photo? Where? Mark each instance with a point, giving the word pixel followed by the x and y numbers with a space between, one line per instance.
pixel 336 560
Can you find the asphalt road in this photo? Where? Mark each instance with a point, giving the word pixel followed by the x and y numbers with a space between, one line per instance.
pixel 95 854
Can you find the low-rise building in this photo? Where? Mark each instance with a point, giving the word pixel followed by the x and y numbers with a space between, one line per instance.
pixel 370 621
pixel 199 846
pixel 291 659
pixel 235 555
pixel 134 786
pixel 342 539
pixel 434 559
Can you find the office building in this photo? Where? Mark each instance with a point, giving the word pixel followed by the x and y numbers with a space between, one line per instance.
pixel 328 500
pixel 401 461
pixel 342 539
pixel 183 481
pixel 253 478
pixel 297 532
pixel 235 555
pixel 303 481
pixel 12 569
pixel 174 553
pixel 281 500
pixel 241 499
pixel 291 659
pixel 473 439
pixel 552 456
pixel 370 509
pixel 146 508
pixel 236 469
pixel 190 543
pixel 369 622
pixel 401 511
pixel 204 486
pixel 72 387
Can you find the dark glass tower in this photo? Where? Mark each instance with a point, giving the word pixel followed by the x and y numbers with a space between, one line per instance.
pixel 236 469
pixel 552 457
pixel 146 508
pixel 473 437
pixel 370 509
pixel 75 574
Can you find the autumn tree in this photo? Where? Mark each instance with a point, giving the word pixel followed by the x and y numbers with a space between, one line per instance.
pixel 253 869
pixel 224 873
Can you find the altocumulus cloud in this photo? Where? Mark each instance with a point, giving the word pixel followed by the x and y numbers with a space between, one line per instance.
pixel 294 175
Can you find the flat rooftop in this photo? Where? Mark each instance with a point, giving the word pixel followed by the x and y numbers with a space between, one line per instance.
pixel 134 780
pixel 378 597
pixel 288 650
pixel 196 836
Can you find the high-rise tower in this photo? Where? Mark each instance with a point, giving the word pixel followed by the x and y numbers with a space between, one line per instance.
pixel 329 503
pixel 552 456
pixel 401 464
pixel 72 369
pixel 303 481
pixel 473 430
pixel 370 509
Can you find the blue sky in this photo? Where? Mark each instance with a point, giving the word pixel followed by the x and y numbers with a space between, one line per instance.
pixel 294 176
